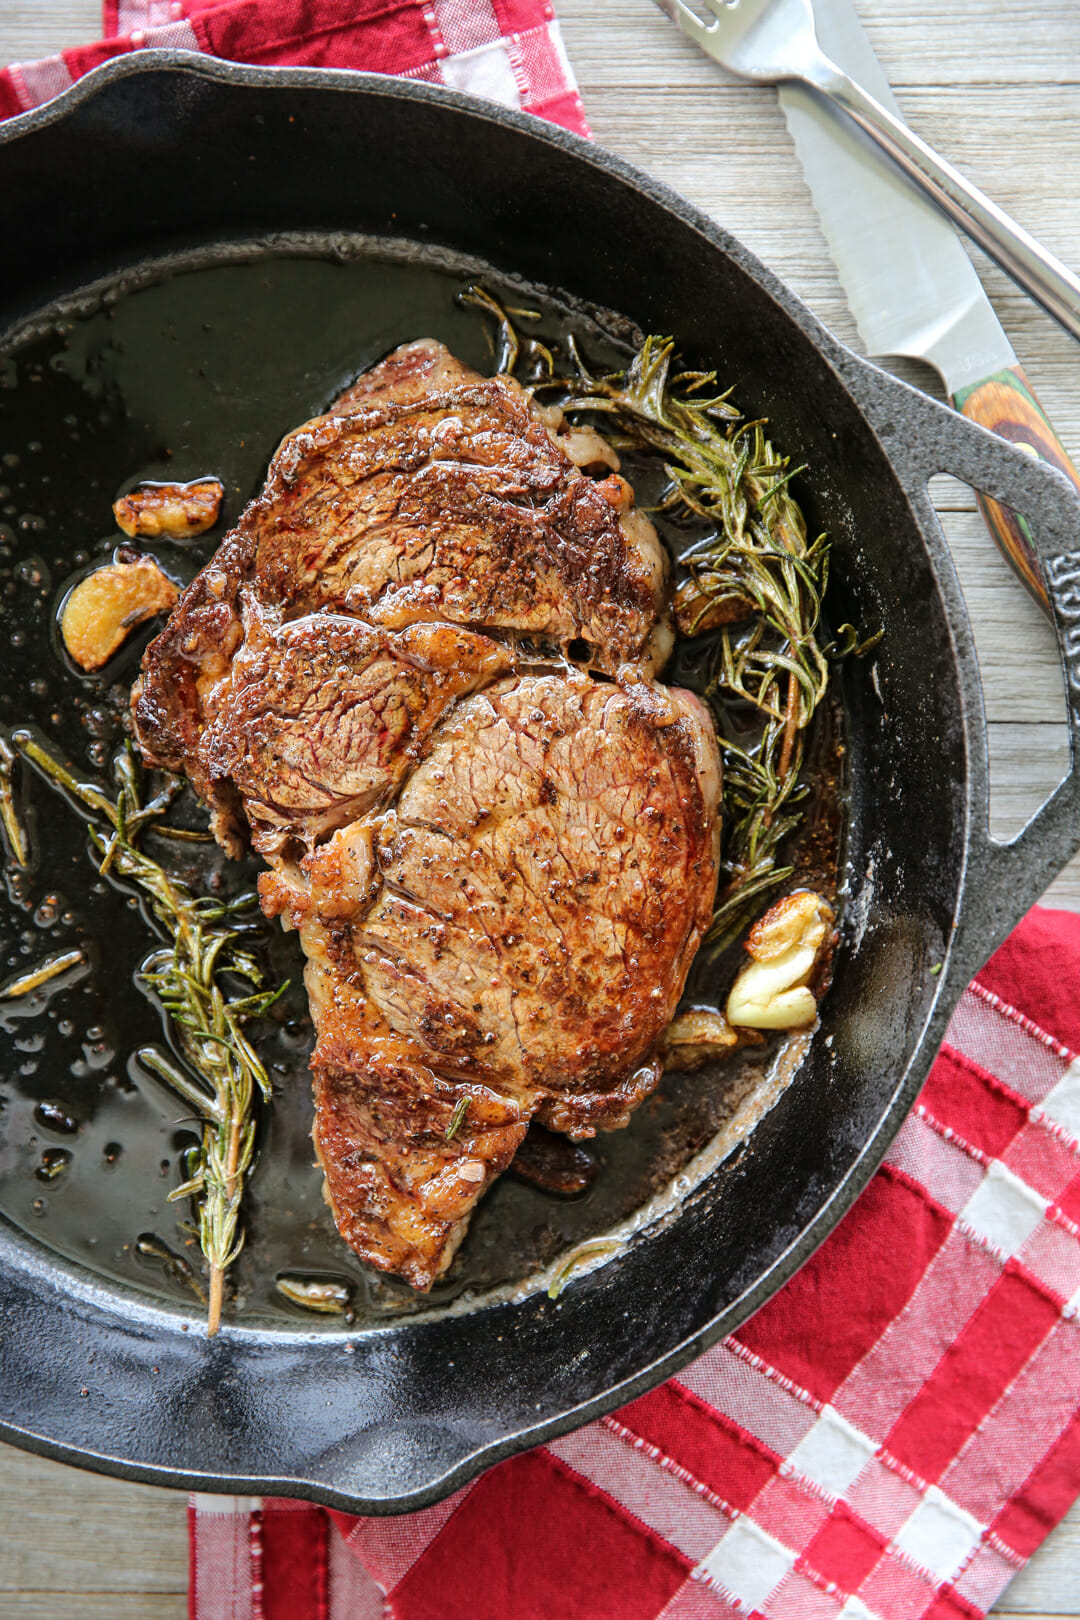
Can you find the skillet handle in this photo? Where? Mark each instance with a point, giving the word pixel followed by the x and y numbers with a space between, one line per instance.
pixel 922 438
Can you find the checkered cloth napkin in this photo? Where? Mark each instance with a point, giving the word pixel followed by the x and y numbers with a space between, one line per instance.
pixel 892 1436
pixel 508 51
pixel 895 1433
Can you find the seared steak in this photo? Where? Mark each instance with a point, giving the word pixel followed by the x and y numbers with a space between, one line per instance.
pixel 520 930
pixel 324 714
pixel 500 861
pixel 433 494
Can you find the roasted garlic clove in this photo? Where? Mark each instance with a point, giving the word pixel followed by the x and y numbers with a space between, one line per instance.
pixel 772 990
pixel 694 1037
pixel 177 511
pixel 110 602
pixel 584 445
pixel 701 604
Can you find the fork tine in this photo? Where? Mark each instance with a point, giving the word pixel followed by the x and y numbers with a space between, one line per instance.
pixel 688 21
pixel 722 9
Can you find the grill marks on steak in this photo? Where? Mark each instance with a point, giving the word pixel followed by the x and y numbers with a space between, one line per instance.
pixel 500 871
pixel 525 919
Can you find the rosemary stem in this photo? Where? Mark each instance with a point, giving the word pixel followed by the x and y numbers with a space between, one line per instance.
pixel 217 1273
pixel 183 975
pixel 18 842
pixel 213 1309
pixel 791 726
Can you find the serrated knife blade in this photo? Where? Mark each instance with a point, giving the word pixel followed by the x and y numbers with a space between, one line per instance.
pixel 912 288
pixel 910 284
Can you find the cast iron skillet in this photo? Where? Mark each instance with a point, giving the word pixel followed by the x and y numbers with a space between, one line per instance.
pixel 158 152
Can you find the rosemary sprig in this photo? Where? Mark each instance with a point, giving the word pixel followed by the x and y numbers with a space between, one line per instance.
pixel 189 979
pixel 457 1117
pixel 764 682
pixel 33 979
pixel 15 833
pixel 594 1249
pixel 764 671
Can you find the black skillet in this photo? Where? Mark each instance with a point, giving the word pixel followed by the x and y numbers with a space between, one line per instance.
pixel 168 154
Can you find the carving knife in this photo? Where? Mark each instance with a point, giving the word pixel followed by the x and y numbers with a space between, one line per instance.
pixel 910 284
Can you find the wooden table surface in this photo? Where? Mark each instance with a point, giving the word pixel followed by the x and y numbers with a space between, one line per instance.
pixel 997 88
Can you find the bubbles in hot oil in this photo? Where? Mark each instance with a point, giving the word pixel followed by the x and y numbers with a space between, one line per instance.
pixel 296 1034
pixel 98 1053
pixel 33 570
pixel 54 1161
pixel 100 723
pixel 48 915
pixel 53 1116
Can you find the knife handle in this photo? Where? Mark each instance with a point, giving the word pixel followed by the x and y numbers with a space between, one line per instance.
pixel 1006 404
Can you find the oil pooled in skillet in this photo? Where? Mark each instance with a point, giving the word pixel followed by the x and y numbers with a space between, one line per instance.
pixel 201 370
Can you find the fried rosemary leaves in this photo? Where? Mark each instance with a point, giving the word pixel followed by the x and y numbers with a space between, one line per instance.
pixel 752 586
pixel 194 977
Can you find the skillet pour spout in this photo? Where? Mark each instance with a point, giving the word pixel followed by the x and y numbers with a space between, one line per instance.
pixel 391 1417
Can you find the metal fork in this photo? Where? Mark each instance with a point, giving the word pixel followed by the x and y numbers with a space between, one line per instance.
pixel 774 40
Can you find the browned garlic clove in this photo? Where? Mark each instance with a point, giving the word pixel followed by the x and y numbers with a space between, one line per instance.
pixel 785 946
pixel 584 445
pixel 699 608
pixel 105 606
pixel 177 511
pixel 695 1037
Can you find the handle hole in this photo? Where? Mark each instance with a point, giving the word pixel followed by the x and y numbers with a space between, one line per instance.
pixel 1023 687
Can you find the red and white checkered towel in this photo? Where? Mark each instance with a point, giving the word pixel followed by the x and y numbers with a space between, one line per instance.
pixel 892 1436
pixel 508 51
pixel 895 1433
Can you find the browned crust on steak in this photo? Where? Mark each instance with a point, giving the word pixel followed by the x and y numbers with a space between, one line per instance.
pixel 457 505
pixel 530 912
pixel 325 716
pixel 500 876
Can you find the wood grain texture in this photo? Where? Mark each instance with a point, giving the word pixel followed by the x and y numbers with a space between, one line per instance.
pixel 51 1604
pixel 72 1532
pixel 964 71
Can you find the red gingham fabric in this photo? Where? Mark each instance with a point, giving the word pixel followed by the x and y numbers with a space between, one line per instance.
pixel 509 51
pixel 890 1438
pixel 894 1434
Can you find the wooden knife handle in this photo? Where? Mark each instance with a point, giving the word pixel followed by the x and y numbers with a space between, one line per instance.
pixel 1006 404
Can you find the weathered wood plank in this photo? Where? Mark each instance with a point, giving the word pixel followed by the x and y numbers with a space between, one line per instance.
pixel 1051 1582
pixel 51 1604
pixel 33 28
pixel 919 44
pixel 81 1532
